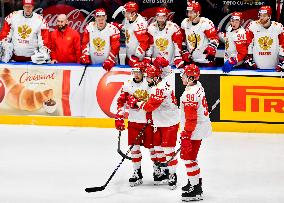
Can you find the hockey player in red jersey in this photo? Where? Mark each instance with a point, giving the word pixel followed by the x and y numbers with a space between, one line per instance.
pixel 266 39
pixel 25 36
pixel 236 46
pixel 100 42
pixel 165 39
pixel 137 119
pixel 200 36
pixel 195 125
pixel 162 104
pixel 135 30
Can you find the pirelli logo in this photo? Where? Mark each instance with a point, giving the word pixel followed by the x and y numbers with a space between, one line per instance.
pixel 252 99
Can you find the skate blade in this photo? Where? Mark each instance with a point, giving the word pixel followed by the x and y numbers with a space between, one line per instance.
pixel 163 182
pixel 138 182
pixel 189 199
pixel 173 187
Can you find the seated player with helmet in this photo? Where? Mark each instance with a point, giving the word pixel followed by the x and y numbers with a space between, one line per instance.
pixel 100 43
pixel 266 42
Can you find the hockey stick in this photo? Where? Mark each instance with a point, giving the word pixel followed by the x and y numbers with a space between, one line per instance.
pixel 212 108
pixel 83 74
pixel 119 150
pixel 101 188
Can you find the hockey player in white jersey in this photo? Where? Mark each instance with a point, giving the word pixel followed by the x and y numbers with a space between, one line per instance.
pixel 195 125
pixel 100 43
pixel 163 105
pixel 25 36
pixel 135 30
pixel 236 46
pixel 137 119
pixel 165 40
pixel 200 37
pixel 266 39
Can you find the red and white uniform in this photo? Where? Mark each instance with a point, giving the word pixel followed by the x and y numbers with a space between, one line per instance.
pixel 136 38
pixel 166 43
pixel 236 45
pixel 193 106
pixel 100 45
pixel 165 114
pixel 265 44
pixel 196 123
pixel 198 37
pixel 27 34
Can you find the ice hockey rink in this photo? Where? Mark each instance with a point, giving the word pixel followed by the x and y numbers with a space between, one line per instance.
pixel 56 164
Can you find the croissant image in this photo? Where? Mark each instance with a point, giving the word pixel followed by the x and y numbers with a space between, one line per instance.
pixel 20 97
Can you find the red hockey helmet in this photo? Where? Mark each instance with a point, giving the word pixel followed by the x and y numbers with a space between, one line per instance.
pixel 100 12
pixel 161 11
pixel 131 7
pixel 192 70
pixel 28 2
pixel 237 16
pixel 193 6
pixel 153 71
pixel 265 9
pixel 139 66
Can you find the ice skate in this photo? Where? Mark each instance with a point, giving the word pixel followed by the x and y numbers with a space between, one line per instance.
pixel 192 192
pixel 160 175
pixel 136 178
pixel 173 181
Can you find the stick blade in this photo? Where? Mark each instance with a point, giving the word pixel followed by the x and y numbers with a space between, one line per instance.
pixel 94 189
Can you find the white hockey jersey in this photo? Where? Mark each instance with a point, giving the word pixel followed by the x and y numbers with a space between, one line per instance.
pixel 100 44
pixel 166 43
pixel 235 44
pixel 198 37
pixel 264 44
pixel 163 105
pixel 193 102
pixel 136 39
pixel 130 88
pixel 27 34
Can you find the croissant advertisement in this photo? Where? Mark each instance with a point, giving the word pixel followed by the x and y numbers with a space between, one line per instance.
pixel 30 90
pixel 252 99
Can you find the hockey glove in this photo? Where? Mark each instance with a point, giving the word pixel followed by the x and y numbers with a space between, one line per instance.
pixel 210 52
pixel 119 123
pixel 160 61
pixel 108 64
pixel 85 59
pixel 186 145
pixel 179 63
pixel 249 62
pixel 229 64
pixel 186 56
pixel 280 66
pixel 133 60
pixel 147 60
pixel 132 102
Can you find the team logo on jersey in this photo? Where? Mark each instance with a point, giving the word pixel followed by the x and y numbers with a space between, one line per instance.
pixel 141 95
pixel 193 39
pixel 265 42
pixel 99 44
pixel 127 37
pixel 24 31
pixel 226 44
pixel 162 44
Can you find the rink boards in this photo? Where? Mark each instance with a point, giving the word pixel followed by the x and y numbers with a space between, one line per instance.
pixel 250 101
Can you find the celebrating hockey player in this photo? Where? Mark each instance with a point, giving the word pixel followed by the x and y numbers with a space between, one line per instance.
pixel 200 36
pixel 235 43
pixel 162 104
pixel 100 42
pixel 266 39
pixel 25 36
pixel 165 39
pixel 195 125
pixel 137 119
pixel 135 30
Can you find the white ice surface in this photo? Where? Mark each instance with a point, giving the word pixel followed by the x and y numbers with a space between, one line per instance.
pixel 55 164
